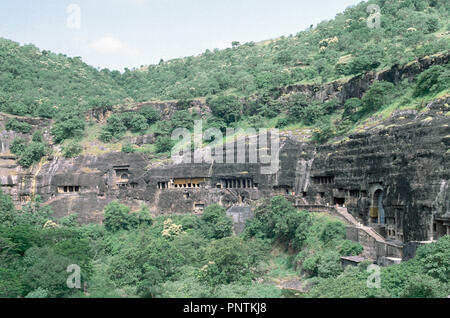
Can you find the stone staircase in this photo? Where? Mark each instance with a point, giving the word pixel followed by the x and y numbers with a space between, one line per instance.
pixel 351 219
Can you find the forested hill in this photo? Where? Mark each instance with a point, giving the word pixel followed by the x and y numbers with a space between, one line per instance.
pixel 41 83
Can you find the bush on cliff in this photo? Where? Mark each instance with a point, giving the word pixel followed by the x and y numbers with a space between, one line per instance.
pixel 215 223
pixel 433 80
pixel 32 153
pixel 67 126
pixel 118 217
pixel 72 149
pixel 19 126
pixel 278 220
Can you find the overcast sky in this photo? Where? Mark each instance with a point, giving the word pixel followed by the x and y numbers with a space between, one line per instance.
pixel 130 33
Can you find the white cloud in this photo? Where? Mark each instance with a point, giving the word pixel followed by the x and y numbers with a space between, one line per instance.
pixel 107 51
pixel 108 44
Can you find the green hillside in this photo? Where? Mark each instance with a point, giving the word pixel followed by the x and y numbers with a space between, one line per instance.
pixel 240 83
pixel 333 49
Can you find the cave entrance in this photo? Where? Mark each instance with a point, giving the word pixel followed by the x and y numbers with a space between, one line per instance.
pixel 377 210
pixel 339 201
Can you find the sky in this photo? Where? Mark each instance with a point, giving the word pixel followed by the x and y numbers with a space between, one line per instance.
pixel 130 33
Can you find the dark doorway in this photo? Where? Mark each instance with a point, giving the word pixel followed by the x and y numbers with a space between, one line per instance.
pixel 339 201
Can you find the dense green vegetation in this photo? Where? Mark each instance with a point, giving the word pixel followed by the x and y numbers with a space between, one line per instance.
pixel 29 153
pixel 135 255
pixel 241 83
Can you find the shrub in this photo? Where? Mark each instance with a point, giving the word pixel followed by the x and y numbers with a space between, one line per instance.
pixel 310 264
pixel 350 248
pixel 150 114
pixel 118 217
pixel 31 154
pixel 128 148
pixel 351 106
pixel 19 126
pixel 329 264
pixel 7 209
pixel 105 135
pixel 115 126
pixel 257 121
pixel 138 123
pixel 227 107
pixel 184 104
pixel 37 136
pixel 377 96
pixel 333 230
pixel 216 224
pixel 72 149
pixel 433 80
pixel 18 146
pixel 163 144
pixel 282 122
pixel 423 286
pixel 67 128
pixel 229 260
pixel 324 131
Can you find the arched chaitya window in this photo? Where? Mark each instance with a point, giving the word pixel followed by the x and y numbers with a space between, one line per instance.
pixel 124 176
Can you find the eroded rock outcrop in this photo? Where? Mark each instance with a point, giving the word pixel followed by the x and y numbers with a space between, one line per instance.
pixel 392 175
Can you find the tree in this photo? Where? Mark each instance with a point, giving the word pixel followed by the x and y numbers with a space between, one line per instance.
pixel 216 224
pixel 19 126
pixel 18 146
pixel 115 126
pixel 296 105
pixel 7 209
pixel 433 80
pixel 329 264
pixel 163 144
pixel 333 230
pixel 118 217
pixel 138 123
pixel 72 149
pixel 350 248
pixel 150 114
pixel 128 148
pixel 47 270
pixel 423 286
pixel 182 119
pixel 32 153
pixel 432 25
pixel 435 258
pixel 227 107
pixel 228 260
pixel 66 128
pixel 279 220
pixel 377 96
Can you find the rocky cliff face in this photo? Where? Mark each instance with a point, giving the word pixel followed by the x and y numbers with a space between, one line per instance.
pixel 392 175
